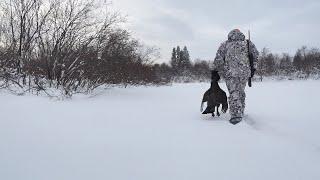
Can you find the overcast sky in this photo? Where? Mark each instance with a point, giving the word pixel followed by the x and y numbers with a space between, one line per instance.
pixel 201 25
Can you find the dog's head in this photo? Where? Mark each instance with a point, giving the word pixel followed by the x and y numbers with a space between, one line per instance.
pixel 215 76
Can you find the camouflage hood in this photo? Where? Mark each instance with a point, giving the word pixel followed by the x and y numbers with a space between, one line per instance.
pixel 236 35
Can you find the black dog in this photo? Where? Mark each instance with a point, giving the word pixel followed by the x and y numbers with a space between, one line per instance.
pixel 215 97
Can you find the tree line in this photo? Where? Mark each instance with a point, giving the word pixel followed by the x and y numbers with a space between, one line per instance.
pixel 304 64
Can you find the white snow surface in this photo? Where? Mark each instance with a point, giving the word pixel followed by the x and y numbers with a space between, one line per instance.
pixel 158 133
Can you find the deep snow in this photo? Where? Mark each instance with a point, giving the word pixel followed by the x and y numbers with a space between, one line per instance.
pixel 158 133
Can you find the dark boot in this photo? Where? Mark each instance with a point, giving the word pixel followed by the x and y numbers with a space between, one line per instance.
pixel 235 120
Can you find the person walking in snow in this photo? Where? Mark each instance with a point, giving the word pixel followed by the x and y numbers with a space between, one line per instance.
pixel 232 62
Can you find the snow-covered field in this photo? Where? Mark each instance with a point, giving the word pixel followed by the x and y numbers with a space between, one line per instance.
pixel 158 133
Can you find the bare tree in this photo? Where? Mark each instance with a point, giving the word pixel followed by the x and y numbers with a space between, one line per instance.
pixel 72 45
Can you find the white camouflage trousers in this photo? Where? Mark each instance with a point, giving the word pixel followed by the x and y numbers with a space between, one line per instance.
pixel 237 98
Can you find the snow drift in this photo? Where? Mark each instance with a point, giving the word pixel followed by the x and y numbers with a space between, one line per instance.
pixel 158 133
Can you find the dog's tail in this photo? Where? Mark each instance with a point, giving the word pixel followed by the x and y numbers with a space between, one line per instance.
pixel 204 99
pixel 201 107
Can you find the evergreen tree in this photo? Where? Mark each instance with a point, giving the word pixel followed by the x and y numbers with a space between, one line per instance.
pixel 178 56
pixel 174 62
pixel 186 63
pixel 180 61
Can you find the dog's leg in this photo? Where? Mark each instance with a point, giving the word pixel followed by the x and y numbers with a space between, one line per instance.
pixel 214 110
pixel 218 114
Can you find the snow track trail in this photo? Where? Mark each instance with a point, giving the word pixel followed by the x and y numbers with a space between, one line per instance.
pixel 158 133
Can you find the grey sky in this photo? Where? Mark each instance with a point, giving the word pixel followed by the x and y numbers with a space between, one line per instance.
pixel 280 25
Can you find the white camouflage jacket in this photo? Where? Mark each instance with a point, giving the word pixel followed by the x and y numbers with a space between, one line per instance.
pixel 232 56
